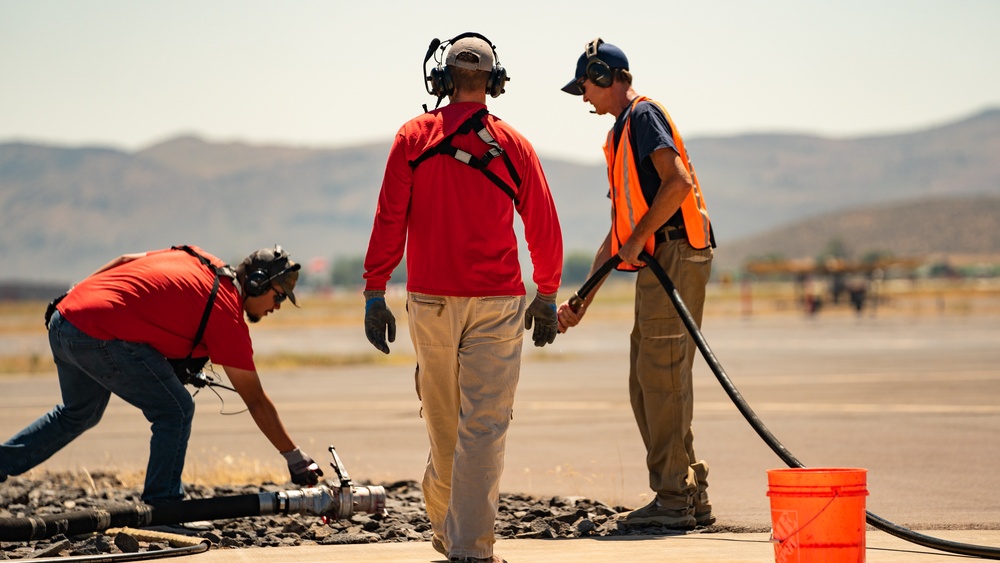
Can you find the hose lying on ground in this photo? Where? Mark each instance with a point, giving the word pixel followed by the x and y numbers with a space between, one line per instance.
pixel 191 548
pixel 337 502
pixel 983 552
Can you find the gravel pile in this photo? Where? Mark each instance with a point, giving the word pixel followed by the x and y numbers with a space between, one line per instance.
pixel 520 516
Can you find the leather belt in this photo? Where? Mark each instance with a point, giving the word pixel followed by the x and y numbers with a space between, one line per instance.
pixel 670 233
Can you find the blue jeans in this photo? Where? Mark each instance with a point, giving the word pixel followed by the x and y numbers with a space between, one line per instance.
pixel 90 370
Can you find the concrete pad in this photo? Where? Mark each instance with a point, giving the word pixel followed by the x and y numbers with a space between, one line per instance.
pixel 690 548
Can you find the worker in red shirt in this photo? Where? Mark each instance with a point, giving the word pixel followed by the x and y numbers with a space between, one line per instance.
pixel 123 329
pixel 454 179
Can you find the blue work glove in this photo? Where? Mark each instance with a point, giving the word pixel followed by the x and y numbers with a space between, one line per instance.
pixel 542 313
pixel 379 321
pixel 304 470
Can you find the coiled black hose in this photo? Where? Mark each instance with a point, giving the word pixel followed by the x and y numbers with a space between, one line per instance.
pixel 983 552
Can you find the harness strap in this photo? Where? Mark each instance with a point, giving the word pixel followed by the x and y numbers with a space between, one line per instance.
pixel 219 273
pixel 445 147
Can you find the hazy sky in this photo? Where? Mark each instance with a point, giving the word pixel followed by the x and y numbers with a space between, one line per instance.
pixel 131 73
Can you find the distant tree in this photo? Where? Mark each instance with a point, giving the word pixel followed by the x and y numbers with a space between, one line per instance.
pixel 349 271
pixel 773 258
pixel 576 266
pixel 399 274
pixel 835 248
pixel 875 256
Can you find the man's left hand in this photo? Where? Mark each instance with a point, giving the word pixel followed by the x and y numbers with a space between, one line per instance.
pixel 542 313
pixel 630 251
pixel 305 471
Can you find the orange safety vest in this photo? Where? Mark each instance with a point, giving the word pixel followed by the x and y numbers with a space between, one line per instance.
pixel 628 205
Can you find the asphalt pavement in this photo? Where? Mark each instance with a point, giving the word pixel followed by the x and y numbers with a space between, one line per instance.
pixel 911 399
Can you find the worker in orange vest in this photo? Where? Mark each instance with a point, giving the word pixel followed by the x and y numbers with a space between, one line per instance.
pixel 657 206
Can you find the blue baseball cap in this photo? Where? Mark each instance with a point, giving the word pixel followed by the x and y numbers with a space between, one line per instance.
pixel 606 52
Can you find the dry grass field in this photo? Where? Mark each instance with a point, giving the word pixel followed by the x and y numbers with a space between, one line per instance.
pixel 24 347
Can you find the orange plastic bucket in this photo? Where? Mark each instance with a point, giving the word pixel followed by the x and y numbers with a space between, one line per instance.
pixel 818 514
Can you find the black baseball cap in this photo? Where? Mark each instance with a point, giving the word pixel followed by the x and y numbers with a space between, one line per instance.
pixel 606 52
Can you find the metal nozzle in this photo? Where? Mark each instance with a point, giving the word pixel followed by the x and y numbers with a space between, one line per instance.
pixel 334 503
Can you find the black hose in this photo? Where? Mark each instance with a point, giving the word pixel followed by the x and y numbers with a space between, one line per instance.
pixel 74 523
pixel 983 552
pixel 577 298
pixel 116 557
pixel 216 508
pixel 713 362
pixel 130 515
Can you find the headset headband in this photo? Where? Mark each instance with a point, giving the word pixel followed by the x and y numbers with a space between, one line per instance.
pixel 596 70
pixel 440 46
pixel 280 256
pixel 592 48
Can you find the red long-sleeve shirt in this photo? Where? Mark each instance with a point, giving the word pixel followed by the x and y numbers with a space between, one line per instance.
pixel 159 300
pixel 456 225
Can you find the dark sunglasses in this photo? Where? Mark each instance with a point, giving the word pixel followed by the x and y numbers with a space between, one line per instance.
pixel 279 297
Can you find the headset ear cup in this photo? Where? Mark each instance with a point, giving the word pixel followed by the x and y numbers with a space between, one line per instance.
pixel 441 82
pixel 257 283
pixel 600 73
pixel 497 81
pixel 435 81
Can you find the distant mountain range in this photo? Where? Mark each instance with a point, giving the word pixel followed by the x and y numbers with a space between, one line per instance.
pixel 64 211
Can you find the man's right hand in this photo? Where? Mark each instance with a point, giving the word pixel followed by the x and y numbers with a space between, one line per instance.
pixel 568 317
pixel 379 321
pixel 542 314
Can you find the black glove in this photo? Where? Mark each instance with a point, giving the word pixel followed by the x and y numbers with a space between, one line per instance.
pixel 543 311
pixel 304 470
pixel 378 320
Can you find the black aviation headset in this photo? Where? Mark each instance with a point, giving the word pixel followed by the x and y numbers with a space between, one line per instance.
pixel 258 280
pixel 598 71
pixel 439 82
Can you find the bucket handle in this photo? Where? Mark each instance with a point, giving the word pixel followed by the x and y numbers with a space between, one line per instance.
pixel 772 539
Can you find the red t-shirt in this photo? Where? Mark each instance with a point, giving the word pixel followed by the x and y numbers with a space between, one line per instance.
pixel 159 300
pixel 456 225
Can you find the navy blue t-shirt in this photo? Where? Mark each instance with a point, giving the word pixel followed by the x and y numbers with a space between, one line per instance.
pixel 650 132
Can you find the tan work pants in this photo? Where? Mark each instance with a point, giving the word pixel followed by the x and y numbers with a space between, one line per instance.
pixel 468 363
pixel 660 387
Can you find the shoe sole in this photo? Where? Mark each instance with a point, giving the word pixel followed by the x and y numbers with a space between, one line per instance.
pixel 705 521
pixel 687 524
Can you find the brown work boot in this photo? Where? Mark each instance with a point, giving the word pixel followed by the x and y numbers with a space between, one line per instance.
pixel 703 510
pixel 704 518
pixel 655 515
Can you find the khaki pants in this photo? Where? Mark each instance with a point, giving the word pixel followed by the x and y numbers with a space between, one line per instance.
pixel 660 387
pixel 468 363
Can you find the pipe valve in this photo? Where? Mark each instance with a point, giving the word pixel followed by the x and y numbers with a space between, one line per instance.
pixel 336 502
pixel 370 500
